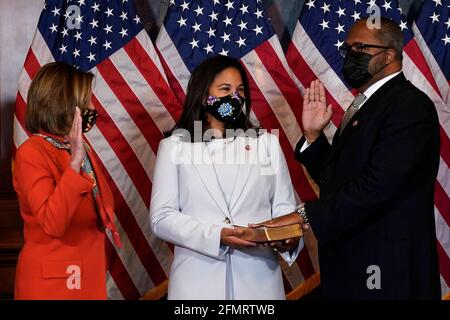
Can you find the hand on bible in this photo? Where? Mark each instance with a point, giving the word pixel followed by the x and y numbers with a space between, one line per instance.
pixel 288 219
pixel 283 246
pixel 230 237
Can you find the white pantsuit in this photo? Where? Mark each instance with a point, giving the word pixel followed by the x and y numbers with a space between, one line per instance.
pixel 191 202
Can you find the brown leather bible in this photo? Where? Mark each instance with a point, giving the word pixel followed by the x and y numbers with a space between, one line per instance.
pixel 267 234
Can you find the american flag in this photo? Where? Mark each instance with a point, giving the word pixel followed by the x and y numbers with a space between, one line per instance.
pixel 432 32
pixel 432 35
pixel 195 30
pixel 313 53
pixel 136 105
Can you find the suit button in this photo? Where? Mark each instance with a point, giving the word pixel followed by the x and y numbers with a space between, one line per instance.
pixel 227 221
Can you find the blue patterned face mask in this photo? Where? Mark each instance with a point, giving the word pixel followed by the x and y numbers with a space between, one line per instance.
pixel 226 109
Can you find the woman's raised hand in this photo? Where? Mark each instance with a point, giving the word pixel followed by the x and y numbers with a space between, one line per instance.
pixel 75 138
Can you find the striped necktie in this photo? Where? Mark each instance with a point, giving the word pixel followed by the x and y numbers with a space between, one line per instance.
pixel 354 107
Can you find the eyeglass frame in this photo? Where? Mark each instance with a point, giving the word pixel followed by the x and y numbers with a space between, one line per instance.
pixel 346 47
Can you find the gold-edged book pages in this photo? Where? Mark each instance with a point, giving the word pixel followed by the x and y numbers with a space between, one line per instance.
pixel 267 234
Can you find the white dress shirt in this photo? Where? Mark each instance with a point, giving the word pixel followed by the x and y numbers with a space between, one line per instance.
pixel 368 93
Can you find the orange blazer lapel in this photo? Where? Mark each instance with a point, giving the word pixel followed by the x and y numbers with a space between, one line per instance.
pixel 61 157
pixel 104 199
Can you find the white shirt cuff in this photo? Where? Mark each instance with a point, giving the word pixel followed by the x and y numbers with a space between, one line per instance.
pixel 305 146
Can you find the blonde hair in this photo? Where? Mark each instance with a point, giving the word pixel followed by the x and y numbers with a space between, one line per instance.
pixel 54 93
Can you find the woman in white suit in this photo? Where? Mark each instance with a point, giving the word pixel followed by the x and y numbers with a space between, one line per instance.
pixel 206 186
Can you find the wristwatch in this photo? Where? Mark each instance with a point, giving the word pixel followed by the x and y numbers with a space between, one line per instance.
pixel 300 209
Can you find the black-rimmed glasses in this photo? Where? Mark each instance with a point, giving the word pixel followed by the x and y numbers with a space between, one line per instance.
pixel 358 47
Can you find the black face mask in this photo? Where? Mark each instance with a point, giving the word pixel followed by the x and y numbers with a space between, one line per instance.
pixel 226 109
pixel 88 117
pixel 356 68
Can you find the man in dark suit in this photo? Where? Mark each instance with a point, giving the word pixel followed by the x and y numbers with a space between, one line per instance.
pixel 374 220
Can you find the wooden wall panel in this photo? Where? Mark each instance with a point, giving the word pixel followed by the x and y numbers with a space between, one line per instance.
pixel 18 20
pixel 11 241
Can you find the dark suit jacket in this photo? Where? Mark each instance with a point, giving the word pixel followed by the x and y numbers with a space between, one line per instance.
pixel 376 198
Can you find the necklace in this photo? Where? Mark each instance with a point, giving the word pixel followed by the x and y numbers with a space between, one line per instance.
pixel 224 174
pixel 211 144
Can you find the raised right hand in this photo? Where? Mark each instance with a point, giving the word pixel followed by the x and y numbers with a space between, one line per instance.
pixel 316 114
pixel 75 138
pixel 230 237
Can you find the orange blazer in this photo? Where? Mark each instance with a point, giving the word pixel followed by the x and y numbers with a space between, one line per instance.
pixel 63 256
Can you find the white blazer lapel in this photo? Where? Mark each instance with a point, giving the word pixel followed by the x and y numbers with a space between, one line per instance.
pixel 246 152
pixel 201 160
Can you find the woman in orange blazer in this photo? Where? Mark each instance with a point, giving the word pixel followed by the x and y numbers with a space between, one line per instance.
pixel 64 199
